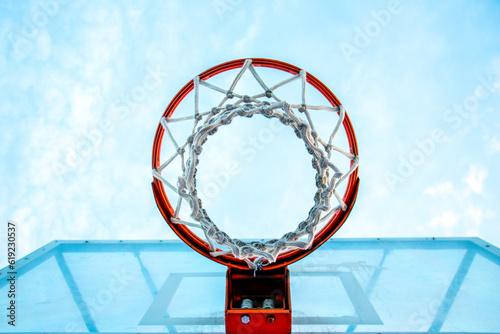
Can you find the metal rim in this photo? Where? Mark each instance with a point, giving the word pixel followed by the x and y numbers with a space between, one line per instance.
pixel 199 245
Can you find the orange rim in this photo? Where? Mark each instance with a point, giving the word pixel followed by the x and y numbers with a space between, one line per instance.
pixel 199 245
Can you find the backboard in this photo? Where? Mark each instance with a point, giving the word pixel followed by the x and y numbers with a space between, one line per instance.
pixel 347 285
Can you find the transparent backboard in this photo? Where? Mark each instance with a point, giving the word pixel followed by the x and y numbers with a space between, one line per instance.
pixel 347 285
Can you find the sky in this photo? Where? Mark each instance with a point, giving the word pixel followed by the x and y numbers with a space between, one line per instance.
pixel 84 85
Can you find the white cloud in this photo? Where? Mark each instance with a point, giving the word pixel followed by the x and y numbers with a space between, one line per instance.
pixel 494 145
pixel 247 42
pixel 81 100
pixel 475 214
pixel 447 219
pixel 472 232
pixel 43 45
pixel 496 72
pixel 458 214
pixel 21 214
pixel 441 190
pixel 3 64
pixel 475 179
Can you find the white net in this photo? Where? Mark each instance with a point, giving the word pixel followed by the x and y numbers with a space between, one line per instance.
pixel 329 176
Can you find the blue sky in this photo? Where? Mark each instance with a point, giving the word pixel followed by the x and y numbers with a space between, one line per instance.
pixel 84 84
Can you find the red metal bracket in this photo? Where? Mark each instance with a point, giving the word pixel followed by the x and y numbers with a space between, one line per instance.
pixel 258 304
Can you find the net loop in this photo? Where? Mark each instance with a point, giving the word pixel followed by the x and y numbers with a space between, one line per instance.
pixel 328 176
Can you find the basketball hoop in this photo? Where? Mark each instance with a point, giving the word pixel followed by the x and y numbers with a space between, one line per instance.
pixel 218 246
